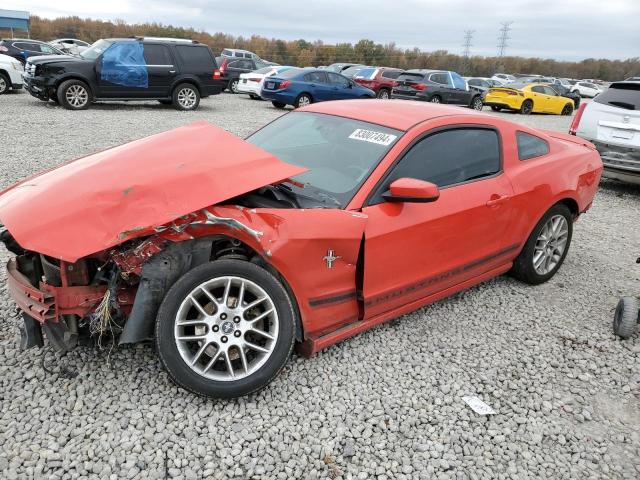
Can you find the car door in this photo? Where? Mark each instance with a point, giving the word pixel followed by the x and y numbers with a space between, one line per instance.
pixel 556 102
pixel 319 86
pixel 341 88
pixel 445 83
pixel 414 250
pixel 460 94
pixel 161 69
pixel 541 101
pixel 121 71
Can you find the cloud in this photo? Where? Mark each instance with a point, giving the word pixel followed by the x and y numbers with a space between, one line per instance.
pixel 567 30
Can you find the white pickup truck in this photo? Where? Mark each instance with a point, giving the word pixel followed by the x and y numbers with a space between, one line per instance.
pixel 612 123
pixel 10 74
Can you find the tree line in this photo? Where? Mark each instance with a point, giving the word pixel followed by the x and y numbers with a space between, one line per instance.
pixel 304 53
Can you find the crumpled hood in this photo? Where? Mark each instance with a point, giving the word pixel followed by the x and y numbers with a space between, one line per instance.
pixel 41 59
pixel 101 200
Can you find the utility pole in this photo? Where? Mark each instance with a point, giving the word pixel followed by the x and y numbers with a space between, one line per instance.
pixel 503 37
pixel 468 36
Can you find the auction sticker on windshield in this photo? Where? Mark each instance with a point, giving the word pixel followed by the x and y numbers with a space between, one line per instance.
pixel 372 136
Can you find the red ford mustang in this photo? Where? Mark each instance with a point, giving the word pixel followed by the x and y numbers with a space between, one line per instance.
pixel 326 222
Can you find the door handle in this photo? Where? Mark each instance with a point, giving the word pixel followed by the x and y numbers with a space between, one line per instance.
pixel 172 71
pixel 497 200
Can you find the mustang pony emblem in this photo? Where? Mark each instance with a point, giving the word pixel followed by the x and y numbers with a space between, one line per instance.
pixel 330 257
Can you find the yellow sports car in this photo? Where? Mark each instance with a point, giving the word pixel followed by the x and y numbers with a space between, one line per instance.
pixel 528 98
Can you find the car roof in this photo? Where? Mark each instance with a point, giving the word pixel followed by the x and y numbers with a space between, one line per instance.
pixel 425 70
pixel 397 114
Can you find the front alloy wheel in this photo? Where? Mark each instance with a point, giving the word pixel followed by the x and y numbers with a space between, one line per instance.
pixel 225 329
pixel 477 103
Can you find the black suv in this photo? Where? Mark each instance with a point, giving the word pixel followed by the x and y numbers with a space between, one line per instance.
pixel 21 49
pixel 437 86
pixel 232 67
pixel 177 72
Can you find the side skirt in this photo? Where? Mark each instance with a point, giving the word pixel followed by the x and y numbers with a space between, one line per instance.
pixel 313 345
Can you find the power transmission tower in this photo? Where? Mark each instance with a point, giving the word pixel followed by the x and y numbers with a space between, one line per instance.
pixel 503 37
pixel 468 37
pixel 502 43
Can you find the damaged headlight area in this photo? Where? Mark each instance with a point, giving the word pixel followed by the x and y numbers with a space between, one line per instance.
pixel 108 297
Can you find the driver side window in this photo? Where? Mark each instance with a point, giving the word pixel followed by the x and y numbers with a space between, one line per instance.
pixel 448 158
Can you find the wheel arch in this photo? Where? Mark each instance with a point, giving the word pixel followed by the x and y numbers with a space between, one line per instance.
pixel 75 76
pixel 165 268
pixel 189 80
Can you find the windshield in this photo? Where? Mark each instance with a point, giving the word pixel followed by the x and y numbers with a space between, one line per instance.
pixel 95 50
pixel 340 153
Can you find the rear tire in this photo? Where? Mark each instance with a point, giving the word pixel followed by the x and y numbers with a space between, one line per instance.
pixel 436 99
pixel 477 103
pixel 383 94
pixel 526 108
pixel 303 100
pixel 186 97
pixel 278 104
pixel 567 109
pixel 543 244
pixel 74 95
pixel 626 317
pixel 233 85
pixel 220 354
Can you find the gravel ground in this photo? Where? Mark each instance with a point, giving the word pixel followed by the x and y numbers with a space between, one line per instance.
pixel 386 404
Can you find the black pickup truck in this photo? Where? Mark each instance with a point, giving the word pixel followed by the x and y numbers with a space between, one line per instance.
pixel 172 71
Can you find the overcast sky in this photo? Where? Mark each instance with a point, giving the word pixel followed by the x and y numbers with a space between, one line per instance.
pixel 561 29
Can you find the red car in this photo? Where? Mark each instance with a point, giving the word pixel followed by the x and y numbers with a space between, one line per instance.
pixel 326 222
pixel 379 79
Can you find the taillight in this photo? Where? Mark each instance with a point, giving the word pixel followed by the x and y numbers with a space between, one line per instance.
pixel 284 84
pixel 576 119
pixel 216 74
pixel 223 66
pixel 419 86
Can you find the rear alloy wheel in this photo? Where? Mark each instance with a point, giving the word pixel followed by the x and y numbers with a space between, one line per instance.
pixel 4 83
pixel 186 97
pixel 384 94
pixel 626 317
pixel 435 99
pixel 303 100
pixel 225 329
pixel 526 108
pixel 74 95
pixel 233 86
pixel 546 247
pixel 477 103
pixel 278 104
pixel 567 110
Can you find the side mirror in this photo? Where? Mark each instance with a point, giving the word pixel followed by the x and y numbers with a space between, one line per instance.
pixel 412 190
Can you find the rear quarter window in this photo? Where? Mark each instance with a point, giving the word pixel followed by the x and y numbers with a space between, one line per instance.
pixel 625 96
pixel 530 146
pixel 196 57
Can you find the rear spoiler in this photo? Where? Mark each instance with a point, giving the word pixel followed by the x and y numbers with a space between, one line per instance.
pixel 507 90
pixel 570 138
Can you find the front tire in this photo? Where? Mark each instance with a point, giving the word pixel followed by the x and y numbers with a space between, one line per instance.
pixel 279 105
pixel 435 99
pixel 186 97
pixel 4 83
pixel 626 317
pixel 225 329
pixel 74 95
pixel 546 248
pixel 233 85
